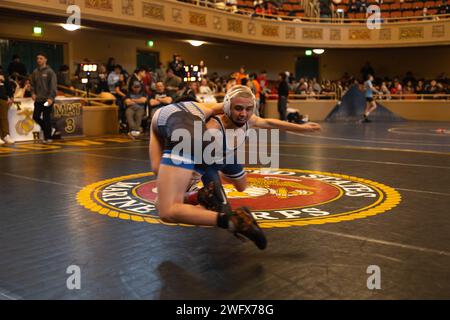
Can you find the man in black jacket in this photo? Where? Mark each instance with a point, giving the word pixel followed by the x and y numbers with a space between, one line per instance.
pixel 283 92
pixel 43 92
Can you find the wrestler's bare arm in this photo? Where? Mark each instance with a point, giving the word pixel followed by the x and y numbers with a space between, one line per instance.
pixel 269 123
pixel 211 109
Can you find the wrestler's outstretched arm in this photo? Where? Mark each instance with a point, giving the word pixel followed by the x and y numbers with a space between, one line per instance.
pixel 269 123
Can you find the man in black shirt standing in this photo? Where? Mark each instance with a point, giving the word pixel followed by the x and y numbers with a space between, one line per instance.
pixel 16 68
pixel 177 66
pixel 43 92
pixel 283 93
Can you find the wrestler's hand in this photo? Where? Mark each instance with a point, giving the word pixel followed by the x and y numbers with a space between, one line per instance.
pixel 311 126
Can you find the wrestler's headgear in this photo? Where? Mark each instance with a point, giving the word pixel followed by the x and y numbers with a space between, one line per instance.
pixel 234 92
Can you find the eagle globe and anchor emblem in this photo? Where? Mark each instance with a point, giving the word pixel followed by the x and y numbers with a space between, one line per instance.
pixel 276 197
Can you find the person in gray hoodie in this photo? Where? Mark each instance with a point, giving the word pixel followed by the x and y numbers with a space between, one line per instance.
pixel 43 93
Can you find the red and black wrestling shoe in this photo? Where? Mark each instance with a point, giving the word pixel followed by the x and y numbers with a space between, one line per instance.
pixel 243 224
pixel 240 221
pixel 213 198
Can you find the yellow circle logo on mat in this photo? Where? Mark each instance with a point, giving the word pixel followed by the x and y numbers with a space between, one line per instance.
pixel 277 197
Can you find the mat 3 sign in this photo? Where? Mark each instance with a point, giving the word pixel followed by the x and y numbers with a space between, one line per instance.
pixel 277 197
pixel 68 116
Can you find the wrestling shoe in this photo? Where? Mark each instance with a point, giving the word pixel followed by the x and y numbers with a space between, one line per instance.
pixel 191 195
pixel 242 224
pixel 195 180
pixel 212 197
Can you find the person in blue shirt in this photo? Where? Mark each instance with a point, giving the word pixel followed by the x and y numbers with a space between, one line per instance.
pixel 371 104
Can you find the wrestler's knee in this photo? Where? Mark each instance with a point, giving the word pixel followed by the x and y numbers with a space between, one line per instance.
pixel 166 213
pixel 167 219
pixel 240 184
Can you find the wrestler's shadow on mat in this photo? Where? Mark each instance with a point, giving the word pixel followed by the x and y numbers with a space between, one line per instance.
pixel 218 275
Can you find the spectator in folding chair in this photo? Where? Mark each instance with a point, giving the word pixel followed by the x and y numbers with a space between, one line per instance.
pixel 135 102
pixel 159 98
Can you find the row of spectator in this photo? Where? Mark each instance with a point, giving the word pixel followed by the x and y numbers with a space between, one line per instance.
pixel 293 10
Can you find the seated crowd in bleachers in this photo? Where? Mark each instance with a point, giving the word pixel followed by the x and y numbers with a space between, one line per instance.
pixel 351 9
pixel 140 94
pixel 356 9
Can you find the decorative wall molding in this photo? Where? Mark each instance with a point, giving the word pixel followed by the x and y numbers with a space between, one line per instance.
pixel 251 28
pixel 151 10
pixel 197 19
pixel 269 31
pixel 128 7
pixel 177 15
pixel 290 33
pixel 234 25
pixel 438 31
pixel 385 34
pixel 335 34
pixel 217 23
pixel 99 4
pixel 312 33
pixel 359 34
pixel 186 18
pixel 411 33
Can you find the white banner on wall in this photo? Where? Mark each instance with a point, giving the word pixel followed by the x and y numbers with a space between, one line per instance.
pixel 20 118
pixel 67 118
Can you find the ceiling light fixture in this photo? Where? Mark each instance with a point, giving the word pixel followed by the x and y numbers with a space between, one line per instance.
pixel 70 27
pixel 318 51
pixel 196 43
